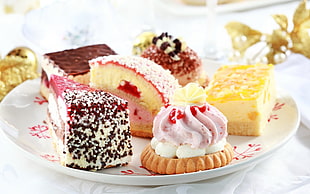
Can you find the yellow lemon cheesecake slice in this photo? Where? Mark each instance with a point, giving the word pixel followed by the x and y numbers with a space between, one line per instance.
pixel 245 94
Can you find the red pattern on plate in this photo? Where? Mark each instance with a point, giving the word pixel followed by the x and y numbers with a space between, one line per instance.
pixel 40 100
pixel 132 172
pixel 277 106
pixel 248 152
pixel 50 157
pixel 273 117
pixel 40 131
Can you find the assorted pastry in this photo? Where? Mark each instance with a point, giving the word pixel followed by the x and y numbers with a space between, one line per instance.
pixel 251 87
pixel 98 100
pixel 189 135
pixel 89 127
pixel 71 63
pixel 144 84
pixel 174 54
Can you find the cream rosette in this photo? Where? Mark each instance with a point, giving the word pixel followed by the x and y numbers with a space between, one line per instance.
pixel 191 94
pixel 190 126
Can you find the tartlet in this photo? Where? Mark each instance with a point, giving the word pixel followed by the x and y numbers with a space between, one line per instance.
pixel 189 135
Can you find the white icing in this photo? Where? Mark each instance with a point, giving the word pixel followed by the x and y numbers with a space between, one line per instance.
pixel 53 110
pixel 216 147
pixel 169 150
pixel 166 150
pixel 185 151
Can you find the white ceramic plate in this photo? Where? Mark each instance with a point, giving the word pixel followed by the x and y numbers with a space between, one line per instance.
pixel 23 112
pixel 177 7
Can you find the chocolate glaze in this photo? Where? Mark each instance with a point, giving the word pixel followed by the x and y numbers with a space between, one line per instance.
pixel 75 61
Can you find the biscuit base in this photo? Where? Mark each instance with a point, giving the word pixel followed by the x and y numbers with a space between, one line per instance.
pixel 153 162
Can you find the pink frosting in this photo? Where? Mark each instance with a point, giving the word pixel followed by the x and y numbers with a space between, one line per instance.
pixel 198 126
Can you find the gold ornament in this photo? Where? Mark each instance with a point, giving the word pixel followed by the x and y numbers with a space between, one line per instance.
pixel 277 45
pixel 26 54
pixel 18 66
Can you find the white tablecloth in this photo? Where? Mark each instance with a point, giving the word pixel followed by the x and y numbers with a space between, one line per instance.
pixel 286 171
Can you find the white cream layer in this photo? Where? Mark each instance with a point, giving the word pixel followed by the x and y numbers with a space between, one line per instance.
pixel 169 150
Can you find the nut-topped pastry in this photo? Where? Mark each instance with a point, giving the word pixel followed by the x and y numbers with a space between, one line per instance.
pixel 189 135
pixel 174 55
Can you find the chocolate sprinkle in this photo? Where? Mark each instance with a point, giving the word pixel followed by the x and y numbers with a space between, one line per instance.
pixel 171 47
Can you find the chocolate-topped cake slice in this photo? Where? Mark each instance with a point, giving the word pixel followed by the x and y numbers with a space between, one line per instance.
pixel 90 128
pixel 72 63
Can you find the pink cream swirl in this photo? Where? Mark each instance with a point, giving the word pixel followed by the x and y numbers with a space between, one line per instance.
pixel 196 125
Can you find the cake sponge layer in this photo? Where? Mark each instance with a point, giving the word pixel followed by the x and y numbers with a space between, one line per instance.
pixel 144 84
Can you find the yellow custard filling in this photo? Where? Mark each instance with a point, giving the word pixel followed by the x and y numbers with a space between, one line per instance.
pixel 239 82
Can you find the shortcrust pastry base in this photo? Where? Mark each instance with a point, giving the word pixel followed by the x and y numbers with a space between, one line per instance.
pixel 151 161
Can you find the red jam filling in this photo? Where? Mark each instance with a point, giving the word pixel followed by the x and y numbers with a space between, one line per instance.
pixel 129 88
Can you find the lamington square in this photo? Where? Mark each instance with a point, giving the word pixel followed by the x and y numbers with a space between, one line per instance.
pixel 90 128
pixel 246 95
pixel 71 63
